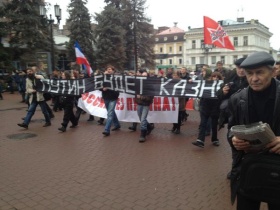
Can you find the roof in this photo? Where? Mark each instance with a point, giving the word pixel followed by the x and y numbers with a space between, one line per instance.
pixel 172 30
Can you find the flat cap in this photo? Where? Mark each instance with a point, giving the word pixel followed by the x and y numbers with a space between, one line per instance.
pixel 257 59
pixel 239 61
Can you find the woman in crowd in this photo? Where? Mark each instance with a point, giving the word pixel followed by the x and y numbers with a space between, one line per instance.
pixel 209 108
pixel 182 104
pixel 68 106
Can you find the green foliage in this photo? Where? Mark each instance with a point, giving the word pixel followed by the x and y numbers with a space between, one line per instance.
pixel 80 30
pixel 23 24
pixel 110 38
pixel 126 16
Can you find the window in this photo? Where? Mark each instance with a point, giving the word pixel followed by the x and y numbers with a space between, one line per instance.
pixel 193 44
pixel 160 61
pixel 223 59
pixel 193 60
pixel 175 37
pixel 235 41
pixel 180 48
pixel 202 43
pixel 201 59
pixel 165 38
pixel 213 60
pixel 235 57
pixel 245 41
pixel 170 61
pixel 180 61
pixel 160 49
pixel 170 49
pixel 157 39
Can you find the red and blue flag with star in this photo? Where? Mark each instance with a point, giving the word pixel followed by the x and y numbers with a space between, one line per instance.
pixel 214 34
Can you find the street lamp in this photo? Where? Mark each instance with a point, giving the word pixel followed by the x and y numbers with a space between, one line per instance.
pixel 50 20
pixel 207 48
pixel 135 47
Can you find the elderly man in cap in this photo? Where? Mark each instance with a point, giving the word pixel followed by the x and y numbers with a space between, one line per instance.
pixel 260 101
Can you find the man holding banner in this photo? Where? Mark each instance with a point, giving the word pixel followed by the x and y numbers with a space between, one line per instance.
pixel 143 107
pixel 110 99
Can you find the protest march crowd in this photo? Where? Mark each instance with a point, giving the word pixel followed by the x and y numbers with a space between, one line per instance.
pixel 258 74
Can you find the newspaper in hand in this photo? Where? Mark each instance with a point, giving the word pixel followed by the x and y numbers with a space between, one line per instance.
pixel 258 134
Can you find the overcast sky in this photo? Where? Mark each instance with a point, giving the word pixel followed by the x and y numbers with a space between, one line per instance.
pixel 190 13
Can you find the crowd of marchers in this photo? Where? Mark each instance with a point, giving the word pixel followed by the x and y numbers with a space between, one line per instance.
pixel 249 93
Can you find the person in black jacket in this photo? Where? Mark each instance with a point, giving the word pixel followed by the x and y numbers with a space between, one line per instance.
pixel 143 107
pixel 258 102
pixel 208 108
pixel 68 106
pixel 235 81
pixel 110 98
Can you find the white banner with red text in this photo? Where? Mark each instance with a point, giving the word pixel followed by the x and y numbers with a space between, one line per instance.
pixel 162 110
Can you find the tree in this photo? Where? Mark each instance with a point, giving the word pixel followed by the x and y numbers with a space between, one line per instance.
pixel 80 30
pixel 110 38
pixel 25 28
pixel 139 35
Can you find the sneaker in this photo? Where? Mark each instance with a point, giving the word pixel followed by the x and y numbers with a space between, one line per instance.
pixel 22 125
pixel 116 128
pixel 73 126
pixel 100 122
pixel 177 131
pixel 132 128
pixel 63 129
pixel 198 143
pixel 142 139
pixel 106 133
pixel 47 124
pixel 216 143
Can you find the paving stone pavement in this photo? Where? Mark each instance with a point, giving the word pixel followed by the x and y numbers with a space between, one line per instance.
pixel 42 168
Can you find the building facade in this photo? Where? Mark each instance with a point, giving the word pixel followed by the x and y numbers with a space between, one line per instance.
pixel 175 47
pixel 247 37
pixel 168 48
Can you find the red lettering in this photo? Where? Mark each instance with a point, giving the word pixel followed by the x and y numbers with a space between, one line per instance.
pixel 173 104
pixel 157 104
pixel 84 96
pixel 101 102
pixel 166 105
pixel 91 96
pixel 120 104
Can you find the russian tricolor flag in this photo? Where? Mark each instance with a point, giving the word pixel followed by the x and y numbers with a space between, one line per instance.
pixel 81 59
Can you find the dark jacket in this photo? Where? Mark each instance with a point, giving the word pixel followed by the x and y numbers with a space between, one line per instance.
pixel 144 100
pixel 210 106
pixel 239 114
pixel 110 94
pixel 236 83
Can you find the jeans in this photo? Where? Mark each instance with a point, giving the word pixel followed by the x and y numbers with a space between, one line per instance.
pixel 203 125
pixel 32 109
pixel 111 115
pixel 142 112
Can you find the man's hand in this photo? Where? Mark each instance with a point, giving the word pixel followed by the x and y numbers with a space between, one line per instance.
pixel 274 146
pixel 240 144
pixel 226 89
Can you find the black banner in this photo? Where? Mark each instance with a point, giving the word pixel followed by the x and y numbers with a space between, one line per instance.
pixel 132 85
